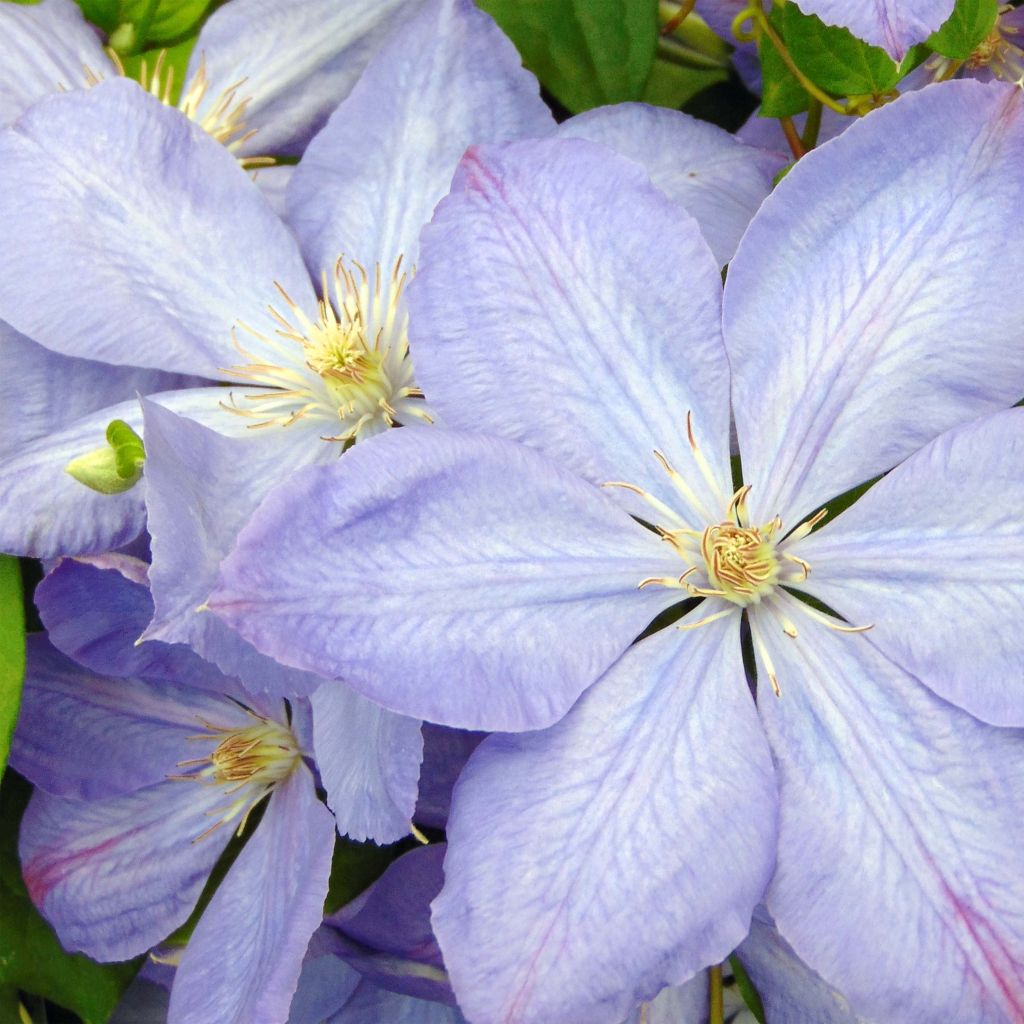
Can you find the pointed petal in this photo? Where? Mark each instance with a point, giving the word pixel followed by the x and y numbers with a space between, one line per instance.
pixel 369 761
pixel 457 578
pixel 201 488
pixel 565 302
pixel 242 963
pixel 933 557
pixel 894 25
pixel 68 714
pixel 296 62
pixel 94 614
pixel 901 819
pixel 838 325
pixel 717 179
pixel 372 1005
pixel 44 511
pixel 790 991
pixel 641 828
pixel 273 183
pixel 445 753
pixel 109 201
pixel 325 983
pixel 47 48
pixel 370 180
pixel 116 876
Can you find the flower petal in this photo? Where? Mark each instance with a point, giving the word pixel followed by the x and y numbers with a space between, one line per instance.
pixel 296 62
pixel 456 578
pixel 369 181
pixel 44 511
pixel 369 761
pixel 850 293
pixel 94 613
pixel 445 753
pixel 201 488
pixel 564 301
pixel 717 179
pixel 47 47
pixel 641 830
pixel 109 202
pixel 114 877
pixel 933 557
pixel 790 991
pixel 68 714
pixel 901 819
pixel 242 963
pixel 894 25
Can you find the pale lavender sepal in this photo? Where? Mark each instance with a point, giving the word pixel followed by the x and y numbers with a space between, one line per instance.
pixel 717 179
pixel 95 610
pixel 48 47
pixel 874 302
pixel 44 511
pixel 461 579
pixel 933 558
pixel 325 982
pixel 242 963
pixel 565 302
pixel 894 25
pixel 369 761
pixel 901 818
pixel 372 1005
pixel 640 831
pixel 201 489
pixel 790 991
pixel 273 183
pixel 679 1004
pixel 385 932
pixel 447 78
pixel 68 714
pixel 42 392
pixel 296 61
pixel 114 877
pixel 109 203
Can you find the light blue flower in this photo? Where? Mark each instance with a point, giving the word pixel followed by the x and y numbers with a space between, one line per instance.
pixel 616 834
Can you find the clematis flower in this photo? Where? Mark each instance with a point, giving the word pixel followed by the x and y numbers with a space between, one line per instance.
pixel 869 321
pixel 140 784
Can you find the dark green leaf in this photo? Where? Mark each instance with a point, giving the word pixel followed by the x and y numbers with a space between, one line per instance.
pixel 967 28
pixel 12 651
pixel 101 12
pixel 782 95
pixel 31 958
pixel 834 59
pixel 586 52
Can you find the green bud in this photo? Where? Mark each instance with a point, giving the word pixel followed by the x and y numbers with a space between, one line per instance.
pixel 114 468
pixel 123 39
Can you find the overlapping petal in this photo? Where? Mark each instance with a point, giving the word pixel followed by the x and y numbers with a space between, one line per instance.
pixel 895 25
pixel 864 318
pixel 717 179
pixel 295 62
pixel 109 202
pixel 896 809
pixel 47 47
pixel 640 831
pixel 201 488
pixel 933 557
pixel 462 579
pixel 114 877
pixel 68 714
pixel 242 963
pixel 588 329
pixel 369 761
pixel 369 181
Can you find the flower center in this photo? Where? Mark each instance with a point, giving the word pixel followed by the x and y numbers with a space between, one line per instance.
pixel 740 561
pixel 347 367
pixel 247 763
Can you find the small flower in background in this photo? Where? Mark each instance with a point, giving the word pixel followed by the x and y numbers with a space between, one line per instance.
pixel 477 582
pixel 141 782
